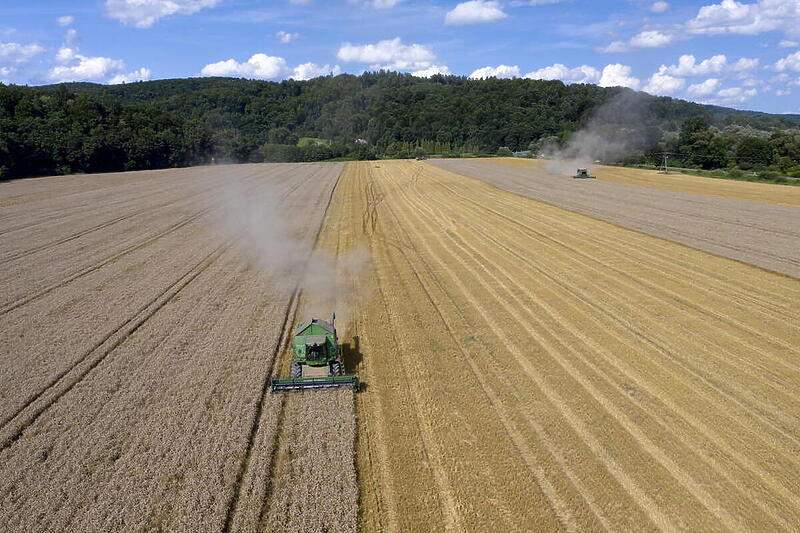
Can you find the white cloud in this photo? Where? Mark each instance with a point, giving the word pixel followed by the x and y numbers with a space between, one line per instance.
pixel 265 67
pixel 616 46
pixel 87 69
pixel 659 7
pixel 790 62
pixel 307 71
pixel 582 74
pixel 786 43
pixel 260 66
pixel 731 16
pixel 644 39
pixel 745 63
pixel 781 92
pixel 15 53
pixel 475 12
pixel 66 54
pixel 705 88
pixel 390 54
pixel 66 20
pixel 734 95
pixel 500 71
pixel 688 66
pixel 650 39
pixel 663 84
pixel 71 37
pixel 432 71
pixel 145 13
pixel 375 4
pixel 286 37
pixel 617 75
pixel 143 74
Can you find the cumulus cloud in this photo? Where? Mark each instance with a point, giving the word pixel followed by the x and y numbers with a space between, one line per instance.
pixel 375 4
pixel 16 53
pixel 650 39
pixel 260 66
pixel 66 20
pixel 66 54
pixel 432 71
pixel 145 13
pixel 786 43
pixel 659 7
pixel 500 71
pixel 286 37
pixel 731 16
pixel 143 74
pixel 85 68
pixel 389 54
pixel 745 64
pixel 266 67
pixel 557 71
pixel 663 84
pixel 617 75
pixel 474 12
pixel 734 95
pixel 705 88
pixel 307 71
pixel 688 66
pixel 644 39
pixel 790 62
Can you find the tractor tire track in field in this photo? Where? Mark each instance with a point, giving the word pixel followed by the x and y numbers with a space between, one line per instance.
pixel 12 428
pixel 253 507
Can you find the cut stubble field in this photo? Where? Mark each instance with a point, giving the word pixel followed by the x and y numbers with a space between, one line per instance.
pixel 525 367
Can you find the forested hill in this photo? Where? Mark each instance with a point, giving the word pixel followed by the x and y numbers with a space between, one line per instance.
pixel 95 128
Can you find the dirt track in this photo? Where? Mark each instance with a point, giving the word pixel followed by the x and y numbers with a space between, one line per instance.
pixel 532 368
pixel 136 337
pixel 750 230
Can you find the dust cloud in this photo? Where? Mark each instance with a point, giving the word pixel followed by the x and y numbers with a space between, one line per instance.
pixel 614 131
pixel 278 238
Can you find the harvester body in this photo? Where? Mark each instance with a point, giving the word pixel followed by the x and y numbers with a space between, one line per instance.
pixel 583 173
pixel 316 359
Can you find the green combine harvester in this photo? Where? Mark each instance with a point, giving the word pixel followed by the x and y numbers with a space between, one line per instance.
pixel 316 359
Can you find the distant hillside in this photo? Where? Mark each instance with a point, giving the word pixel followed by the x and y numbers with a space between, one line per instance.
pixel 88 128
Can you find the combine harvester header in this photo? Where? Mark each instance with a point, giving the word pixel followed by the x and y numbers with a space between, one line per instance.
pixel 316 359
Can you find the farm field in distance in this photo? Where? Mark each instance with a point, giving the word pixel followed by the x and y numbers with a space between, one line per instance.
pixel 526 366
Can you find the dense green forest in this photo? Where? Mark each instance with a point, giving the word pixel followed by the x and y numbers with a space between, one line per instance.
pixel 71 128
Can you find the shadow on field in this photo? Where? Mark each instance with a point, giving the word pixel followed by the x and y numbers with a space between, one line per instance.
pixel 351 357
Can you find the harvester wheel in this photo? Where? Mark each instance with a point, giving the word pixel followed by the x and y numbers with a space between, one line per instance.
pixel 336 368
pixel 297 370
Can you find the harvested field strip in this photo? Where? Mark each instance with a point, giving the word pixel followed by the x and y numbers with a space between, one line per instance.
pixel 631 389
pixel 304 477
pixel 765 236
pixel 768 193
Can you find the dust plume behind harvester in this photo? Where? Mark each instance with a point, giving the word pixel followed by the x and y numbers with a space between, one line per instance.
pixel 316 359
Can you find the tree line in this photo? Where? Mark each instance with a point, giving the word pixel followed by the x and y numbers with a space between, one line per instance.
pixel 73 128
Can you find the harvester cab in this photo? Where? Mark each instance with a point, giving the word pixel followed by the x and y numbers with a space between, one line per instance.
pixel 316 359
pixel 583 173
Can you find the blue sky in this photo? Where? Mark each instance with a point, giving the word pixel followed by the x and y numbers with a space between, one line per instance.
pixel 739 54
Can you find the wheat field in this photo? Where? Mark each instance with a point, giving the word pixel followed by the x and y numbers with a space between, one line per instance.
pixel 526 364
